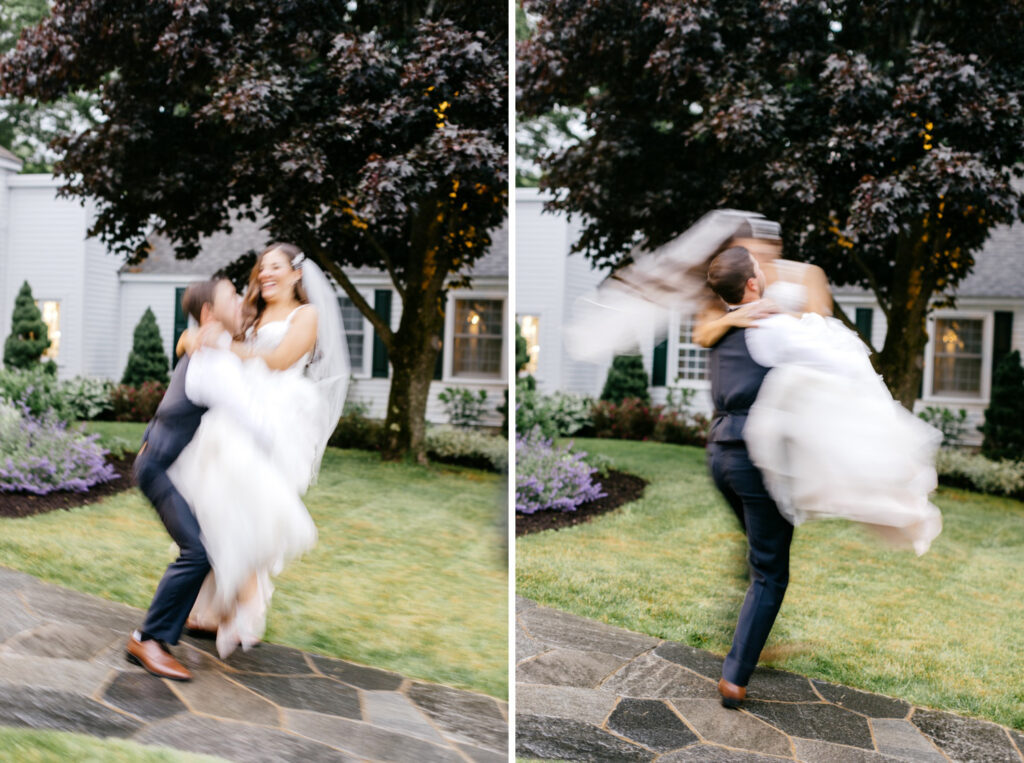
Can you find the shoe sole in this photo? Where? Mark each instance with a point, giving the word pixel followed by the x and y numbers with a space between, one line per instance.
pixel 135 660
pixel 196 633
pixel 730 703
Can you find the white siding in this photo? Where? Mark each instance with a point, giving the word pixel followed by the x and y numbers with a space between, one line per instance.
pixel 548 281
pixel 46 247
pixel 136 296
pixel 102 311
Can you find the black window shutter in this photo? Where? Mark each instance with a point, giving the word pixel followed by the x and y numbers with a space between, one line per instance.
pixel 381 306
pixel 1002 335
pixel 863 318
pixel 439 363
pixel 659 367
pixel 180 323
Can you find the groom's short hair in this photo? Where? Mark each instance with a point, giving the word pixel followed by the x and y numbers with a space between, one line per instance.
pixel 729 272
pixel 198 294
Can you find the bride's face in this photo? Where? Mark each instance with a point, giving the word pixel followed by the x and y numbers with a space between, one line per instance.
pixel 277 277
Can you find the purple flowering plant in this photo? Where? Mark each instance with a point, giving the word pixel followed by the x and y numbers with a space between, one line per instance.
pixel 550 476
pixel 40 453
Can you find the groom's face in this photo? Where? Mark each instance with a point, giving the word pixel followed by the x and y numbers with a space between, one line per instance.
pixel 226 303
pixel 759 275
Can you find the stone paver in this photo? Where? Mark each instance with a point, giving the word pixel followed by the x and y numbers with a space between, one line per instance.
pixel 63 667
pixel 590 692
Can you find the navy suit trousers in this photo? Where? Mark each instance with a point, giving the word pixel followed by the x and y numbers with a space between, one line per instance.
pixel 180 584
pixel 768 537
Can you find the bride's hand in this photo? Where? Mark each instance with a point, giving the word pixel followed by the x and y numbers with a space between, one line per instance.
pixel 748 315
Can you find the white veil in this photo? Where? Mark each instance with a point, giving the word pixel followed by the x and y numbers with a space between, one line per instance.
pixel 631 306
pixel 329 366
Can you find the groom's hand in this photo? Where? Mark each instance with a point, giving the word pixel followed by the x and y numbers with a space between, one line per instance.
pixel 209 333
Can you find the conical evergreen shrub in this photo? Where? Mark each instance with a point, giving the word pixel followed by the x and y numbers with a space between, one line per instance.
pixel 626 379
pixel 147 361
pixel 1004 417
pixel 29 337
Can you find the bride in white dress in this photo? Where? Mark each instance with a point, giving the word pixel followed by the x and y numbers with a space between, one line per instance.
pixel 244 479
pixel 829 445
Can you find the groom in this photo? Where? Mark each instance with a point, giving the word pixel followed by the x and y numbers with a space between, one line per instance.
pixel 739 363
pixel 172 428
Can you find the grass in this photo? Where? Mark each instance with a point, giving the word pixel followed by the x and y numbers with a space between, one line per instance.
pixel 943 630
pixel 30 746
pixel 409 574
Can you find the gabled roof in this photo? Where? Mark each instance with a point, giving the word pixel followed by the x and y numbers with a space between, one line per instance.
pixel 998 271
pixel 219 249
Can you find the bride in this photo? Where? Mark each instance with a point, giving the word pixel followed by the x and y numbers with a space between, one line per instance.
pixel 244 479
pixel 828 445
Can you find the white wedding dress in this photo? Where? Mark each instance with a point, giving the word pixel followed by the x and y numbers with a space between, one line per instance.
pixel 836 445
pixel 245 490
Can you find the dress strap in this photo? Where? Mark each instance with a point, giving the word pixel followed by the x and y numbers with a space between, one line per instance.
pixel 289 318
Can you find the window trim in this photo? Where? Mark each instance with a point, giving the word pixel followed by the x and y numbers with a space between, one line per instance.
pixel 496 295
pixel 368 334
pixel 985 391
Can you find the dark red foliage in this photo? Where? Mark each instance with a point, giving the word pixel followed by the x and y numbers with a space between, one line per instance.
pixel 883 134
pixel 370 134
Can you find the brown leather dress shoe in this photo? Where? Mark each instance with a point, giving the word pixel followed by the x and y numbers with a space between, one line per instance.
pixel 157 660
pixel 194 629
pixel 732 694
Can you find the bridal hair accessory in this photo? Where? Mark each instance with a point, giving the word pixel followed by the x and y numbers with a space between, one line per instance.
pixel 298 260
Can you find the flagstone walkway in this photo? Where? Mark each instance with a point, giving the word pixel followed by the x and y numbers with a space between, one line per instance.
pixel 62 666
pixel 588 691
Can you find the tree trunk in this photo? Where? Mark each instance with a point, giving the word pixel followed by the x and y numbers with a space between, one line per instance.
pixel 413 357
pixel 901 360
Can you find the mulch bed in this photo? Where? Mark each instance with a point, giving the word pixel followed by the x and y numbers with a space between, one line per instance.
pixel 620 488
pixel 27 504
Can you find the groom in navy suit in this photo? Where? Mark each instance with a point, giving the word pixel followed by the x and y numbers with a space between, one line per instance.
pixel 172 428
pixel 736 378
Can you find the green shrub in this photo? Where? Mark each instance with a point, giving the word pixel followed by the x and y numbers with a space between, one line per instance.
pixel 556 415
pixel 464 407
pixel 130 403
pixel 36 388
pixel 951 425
pixel 976 472
pixel 87 398
pixel 356 430
pixel 626 379
pixel 29 337
pixel 147 361
pixel 468 447
pixel 1004 418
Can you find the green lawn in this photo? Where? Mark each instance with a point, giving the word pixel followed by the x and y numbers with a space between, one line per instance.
pixel 31 746
pixel 410 573
pixel 943 630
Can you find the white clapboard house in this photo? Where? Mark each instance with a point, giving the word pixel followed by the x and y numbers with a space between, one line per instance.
pixel 92 302
pixel 964 345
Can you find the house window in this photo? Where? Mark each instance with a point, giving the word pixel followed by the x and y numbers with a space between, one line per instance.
pixel 693 359
pixel 355 332
pixel 958 357
pixel 529 327
pixel 50 310
pixel 476 350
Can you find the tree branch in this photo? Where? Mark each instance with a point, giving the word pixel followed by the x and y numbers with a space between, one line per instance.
pixel 838 311
pixel 382 328
pixel 872 281
pixel 388 263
